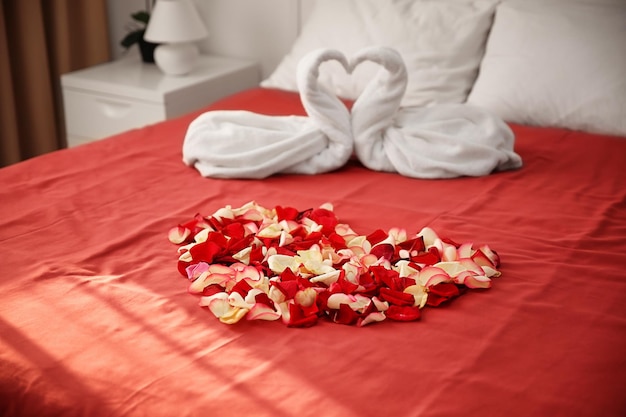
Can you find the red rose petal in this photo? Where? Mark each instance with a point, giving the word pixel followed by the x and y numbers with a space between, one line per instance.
pixel 376 236
pixel 288 275
pixel 298 318
pixel 346 286
pixel 336 241
pixel 234 230
pixel 263 298
pixel 383 250
pixel 445 289
pixel 481 259
pixel 325 218
pixel 205 251
pixel 397 298
pixel 403 313
pixel 442 292
pixel 242 287
pixel 345 315
pixel 430 257
pixel 450 242
pixel 212 289
pixel 415 244
pixel 384 276
pixel 182 267
pixel 288 288
pixel 286 213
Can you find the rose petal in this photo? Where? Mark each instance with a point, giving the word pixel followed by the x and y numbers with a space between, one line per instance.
pixel 336 300
pixel 440 293
pixel 345 315
pixel 403 313
pixel 325 218
pixel 432 275
pixel 212 289
pixel 178 234
pixel 299 318
pixel 371 318
pixel 194 271
pixel 251 296
pixel 262 312
pixel 383 250
pixel 491 254
pixel 278 263
pixel 327 278
pixel 379 304
pixel 236 300
pixel 397 298
pixel 473 281
pixel 428 235
pixel 430 257
pixel 288 288
pixel 305 297
pixel 419 294
pixel 234 315
pixel 242 287
pixel 218 305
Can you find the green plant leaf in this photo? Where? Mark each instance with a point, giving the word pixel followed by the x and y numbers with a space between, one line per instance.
pixel 141 16
pixel 132 38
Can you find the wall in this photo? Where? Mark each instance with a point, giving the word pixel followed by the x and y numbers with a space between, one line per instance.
pixel 262 30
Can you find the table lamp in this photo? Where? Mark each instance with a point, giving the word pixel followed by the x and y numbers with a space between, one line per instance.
pixel 175 24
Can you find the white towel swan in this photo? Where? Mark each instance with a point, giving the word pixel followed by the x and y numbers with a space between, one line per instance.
pixel 442 141
pixel 242 144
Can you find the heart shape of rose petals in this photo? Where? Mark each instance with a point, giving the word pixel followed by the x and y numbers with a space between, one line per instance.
pixel 302 266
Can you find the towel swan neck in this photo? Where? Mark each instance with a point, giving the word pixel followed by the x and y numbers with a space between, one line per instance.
pixel 324 108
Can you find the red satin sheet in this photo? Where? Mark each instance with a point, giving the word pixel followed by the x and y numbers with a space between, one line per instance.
pixel 96 321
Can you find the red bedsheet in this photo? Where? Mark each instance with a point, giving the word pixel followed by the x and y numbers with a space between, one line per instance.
pixel 96 321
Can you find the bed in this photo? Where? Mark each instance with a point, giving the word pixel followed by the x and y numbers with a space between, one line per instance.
pixel 96 319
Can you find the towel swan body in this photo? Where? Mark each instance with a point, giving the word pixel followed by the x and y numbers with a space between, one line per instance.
pixel 242 144
pixel 441 141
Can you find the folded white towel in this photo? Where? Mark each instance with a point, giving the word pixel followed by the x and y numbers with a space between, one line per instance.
pixel 241 144
pixel 441 141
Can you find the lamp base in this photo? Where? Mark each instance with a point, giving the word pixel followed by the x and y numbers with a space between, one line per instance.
pixel 176 58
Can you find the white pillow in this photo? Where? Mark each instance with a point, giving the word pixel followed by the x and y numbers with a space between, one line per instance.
pixel 441 41
pixel 559 64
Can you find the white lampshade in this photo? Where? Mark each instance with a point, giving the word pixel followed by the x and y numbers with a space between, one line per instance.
pixel 175 24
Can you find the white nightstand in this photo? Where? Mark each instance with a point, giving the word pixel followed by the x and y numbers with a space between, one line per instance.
pixel 110 98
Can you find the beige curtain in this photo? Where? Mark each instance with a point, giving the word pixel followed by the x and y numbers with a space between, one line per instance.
pixel 39 41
